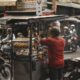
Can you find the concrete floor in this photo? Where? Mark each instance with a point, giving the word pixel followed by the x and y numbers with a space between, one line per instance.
pixel 21 69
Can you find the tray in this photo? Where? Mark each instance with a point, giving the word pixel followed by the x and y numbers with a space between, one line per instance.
pixel 21 43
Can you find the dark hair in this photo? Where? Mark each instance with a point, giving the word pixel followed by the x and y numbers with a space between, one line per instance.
pixel 54 32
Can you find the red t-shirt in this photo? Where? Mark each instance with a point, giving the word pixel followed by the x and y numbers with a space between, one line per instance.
pixel 55 51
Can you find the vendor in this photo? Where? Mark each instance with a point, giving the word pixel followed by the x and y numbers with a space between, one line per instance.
pixel 10 35
pixel 7 40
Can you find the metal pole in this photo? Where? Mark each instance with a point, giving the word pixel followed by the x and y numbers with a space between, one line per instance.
pixel 12 64
pixel 30 47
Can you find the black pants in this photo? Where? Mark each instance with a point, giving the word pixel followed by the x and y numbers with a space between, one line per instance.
pixel 44 72
pixel 56 74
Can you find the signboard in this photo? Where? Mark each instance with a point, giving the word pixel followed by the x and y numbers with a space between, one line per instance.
pixel 8 2
pixel 29 4
pixel 38 7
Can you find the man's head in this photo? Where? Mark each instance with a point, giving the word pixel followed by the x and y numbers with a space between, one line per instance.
pixel 72 26
pixel 66 28
pixel 54 32
pixel 9 30
pixel 56 24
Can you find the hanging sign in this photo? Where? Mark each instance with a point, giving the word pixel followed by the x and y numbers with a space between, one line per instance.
pixel 38 7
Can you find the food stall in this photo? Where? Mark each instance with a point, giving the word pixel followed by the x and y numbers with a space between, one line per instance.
pixel 25 60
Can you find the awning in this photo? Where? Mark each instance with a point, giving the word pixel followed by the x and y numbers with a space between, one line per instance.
pixel 8 2
pixel 66 4
pixel 15 19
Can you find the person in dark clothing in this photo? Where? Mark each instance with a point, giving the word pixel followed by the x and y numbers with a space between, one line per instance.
pixel 55 45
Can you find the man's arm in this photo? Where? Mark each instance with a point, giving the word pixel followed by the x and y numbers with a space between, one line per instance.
pixel 14 37
pixel 6 38
pixel 45 41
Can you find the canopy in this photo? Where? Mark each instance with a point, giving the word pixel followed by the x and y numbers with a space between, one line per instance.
pixel 67 4
pixel 8 2
pixel 25 18
pixel 72 19
pixel 31 17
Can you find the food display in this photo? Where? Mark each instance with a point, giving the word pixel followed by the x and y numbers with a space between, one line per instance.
pixel 22 51
pixel 21 43
pixel 21 46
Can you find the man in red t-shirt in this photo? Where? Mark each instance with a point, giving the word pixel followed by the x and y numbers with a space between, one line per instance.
pixel 55 46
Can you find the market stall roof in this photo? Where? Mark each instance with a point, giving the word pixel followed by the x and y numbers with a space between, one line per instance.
pixel 69 4
pixel 8 2
pixel 72 19
pixel 29 17
pixel 25 18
